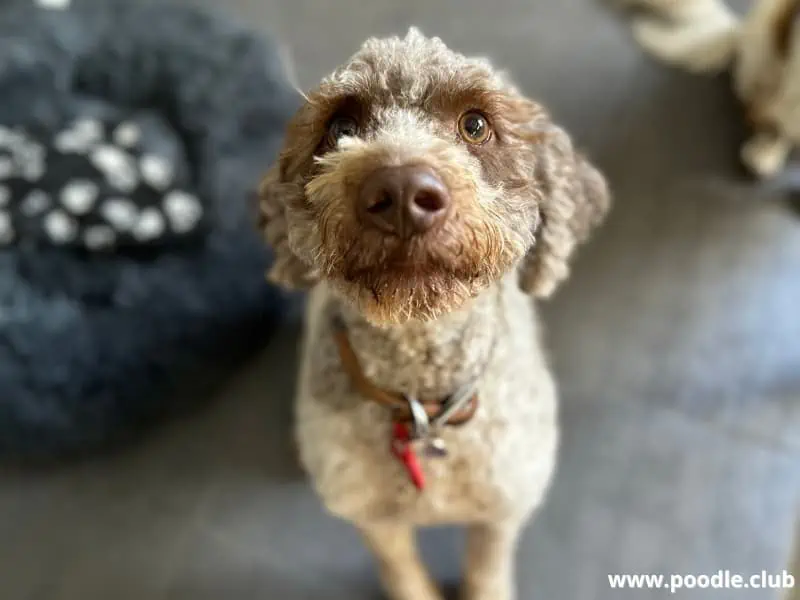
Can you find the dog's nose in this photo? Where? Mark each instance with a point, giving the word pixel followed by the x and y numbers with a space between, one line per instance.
pixel 403 200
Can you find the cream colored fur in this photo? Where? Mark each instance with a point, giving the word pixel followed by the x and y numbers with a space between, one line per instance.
pixel 705 36
pixel 500 463
pixel 697 35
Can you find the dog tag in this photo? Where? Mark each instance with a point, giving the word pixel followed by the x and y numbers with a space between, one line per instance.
pixel 435 448
pixel 403 450
pixel 421 427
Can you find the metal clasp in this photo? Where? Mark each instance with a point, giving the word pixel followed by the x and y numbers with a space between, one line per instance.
pixel 455 403
pixel 421 428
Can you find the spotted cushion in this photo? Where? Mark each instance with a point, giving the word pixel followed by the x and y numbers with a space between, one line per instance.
pixel 96 185
pixel 132 138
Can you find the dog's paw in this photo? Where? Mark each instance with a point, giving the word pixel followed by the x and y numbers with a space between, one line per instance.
pixel 692 46
pixel 765 156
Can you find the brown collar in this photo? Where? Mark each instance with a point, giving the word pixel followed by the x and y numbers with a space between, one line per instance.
pixel 397 403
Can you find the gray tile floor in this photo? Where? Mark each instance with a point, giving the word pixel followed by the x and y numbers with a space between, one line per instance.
pixel 677 345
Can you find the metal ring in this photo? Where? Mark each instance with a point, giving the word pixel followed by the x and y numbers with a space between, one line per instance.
pixel 419 415
pixel 455 403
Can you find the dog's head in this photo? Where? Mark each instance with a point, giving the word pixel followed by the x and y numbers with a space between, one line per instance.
pixel 414 177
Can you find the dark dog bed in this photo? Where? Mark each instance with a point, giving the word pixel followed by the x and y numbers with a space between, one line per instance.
pixel 132 137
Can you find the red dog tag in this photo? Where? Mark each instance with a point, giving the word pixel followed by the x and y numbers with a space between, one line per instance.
pixel 401 448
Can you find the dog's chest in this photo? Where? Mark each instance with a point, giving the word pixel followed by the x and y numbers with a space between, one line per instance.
pixel 427 361
pixel 498 463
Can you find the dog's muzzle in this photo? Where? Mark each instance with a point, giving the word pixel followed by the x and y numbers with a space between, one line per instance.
pixel 403 201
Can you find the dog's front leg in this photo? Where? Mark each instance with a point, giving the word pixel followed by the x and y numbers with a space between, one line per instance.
pixel 489 568
pixel 403 575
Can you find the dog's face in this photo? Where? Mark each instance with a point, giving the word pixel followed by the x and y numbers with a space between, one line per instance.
pixel 413 178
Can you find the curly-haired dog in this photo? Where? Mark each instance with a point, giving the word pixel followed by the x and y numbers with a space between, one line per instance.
pixel 763 50
pixel 423 197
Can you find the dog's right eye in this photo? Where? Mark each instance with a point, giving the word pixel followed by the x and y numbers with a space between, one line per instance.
pixel 342 127
pixel 474 128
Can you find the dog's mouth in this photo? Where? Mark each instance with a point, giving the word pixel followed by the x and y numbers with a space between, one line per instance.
pixel 418 279
pixel 432 255
pixel 402 294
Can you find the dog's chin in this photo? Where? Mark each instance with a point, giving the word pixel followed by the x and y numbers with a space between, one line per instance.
pixel 405 295
pixel 391 281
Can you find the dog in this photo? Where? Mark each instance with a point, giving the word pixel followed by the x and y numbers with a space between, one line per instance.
pixel 762 50
pixel 424 201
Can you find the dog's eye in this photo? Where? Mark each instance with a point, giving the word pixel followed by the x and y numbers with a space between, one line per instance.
pixel 474 128
pixel 341 127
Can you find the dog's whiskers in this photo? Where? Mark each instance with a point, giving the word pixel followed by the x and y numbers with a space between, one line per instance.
pixel 290 72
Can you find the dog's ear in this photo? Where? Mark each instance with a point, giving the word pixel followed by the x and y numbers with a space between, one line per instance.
pixel 575 200
pixel 275 195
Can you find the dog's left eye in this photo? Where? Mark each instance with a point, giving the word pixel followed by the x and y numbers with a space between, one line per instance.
pixel 341 127
pixel 474 128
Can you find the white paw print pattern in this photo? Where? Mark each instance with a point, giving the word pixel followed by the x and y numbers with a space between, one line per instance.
pixel 99 237
pixel 120 213
pixel 156 171
pixel 80 137
pixel 35 203
pixel 183 211
pixel 78 197
pixel 111 193
pixel 118 166
pixel 149 225
pixel 32 161
pixel 6 228
pixel 127 134
pixel 6 167
pixel 60 227
pixel 20 156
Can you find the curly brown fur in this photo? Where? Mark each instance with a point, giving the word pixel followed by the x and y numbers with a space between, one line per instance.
pixel 428 313
pixel 525 185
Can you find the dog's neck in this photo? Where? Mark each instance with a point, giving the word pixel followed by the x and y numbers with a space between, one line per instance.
pixel 429 359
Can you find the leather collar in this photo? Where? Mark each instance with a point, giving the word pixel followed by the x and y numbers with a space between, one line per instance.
pixel 397 403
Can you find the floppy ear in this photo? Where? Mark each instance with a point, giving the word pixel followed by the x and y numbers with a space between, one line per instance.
pixel 287 269
pixel 575 200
